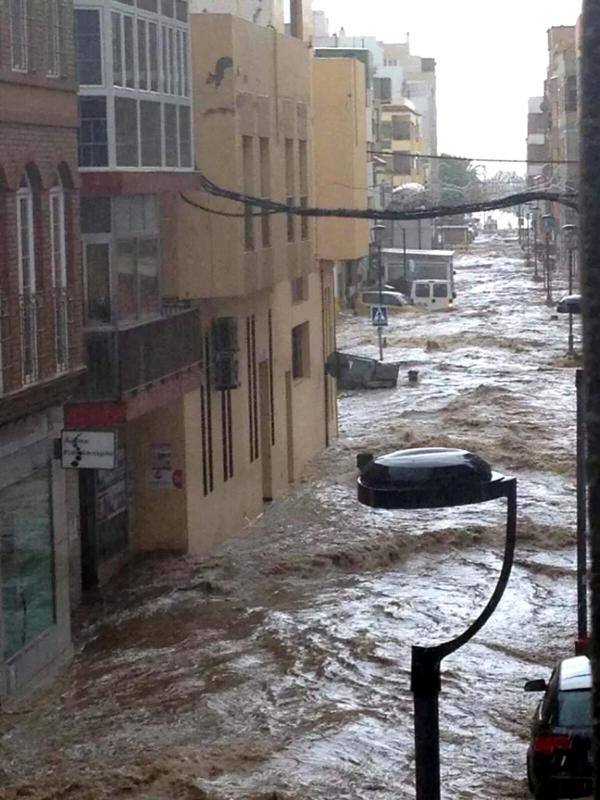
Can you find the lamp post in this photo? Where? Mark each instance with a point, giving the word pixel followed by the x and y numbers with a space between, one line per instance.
pixel 437 478
pixel 548 229
pixel 570 237
pixel 377 234
pixel 535 217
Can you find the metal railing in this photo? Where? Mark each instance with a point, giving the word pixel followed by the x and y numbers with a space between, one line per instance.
pixel 121 361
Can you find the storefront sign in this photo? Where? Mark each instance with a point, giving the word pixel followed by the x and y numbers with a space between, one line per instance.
pixel 165 479
pixel 88 449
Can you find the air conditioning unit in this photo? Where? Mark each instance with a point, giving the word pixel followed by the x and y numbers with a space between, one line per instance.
pixel 225 335
pixel 226 371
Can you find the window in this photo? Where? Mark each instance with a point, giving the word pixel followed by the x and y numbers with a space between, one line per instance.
pixel 26 560
pixel 303 174
pixel 440 290
pixel 117 48
pixel 402 164
pixel 248 177
pixel 93 133
pixel 54 38
pixel 575 708
pixel 290 187
pixel 300 351
pixel 171 136
pixel 129 51
pixel 150 127
pixel 142 54
pixel 59 276
pixel 153 55
pixel 265 189
pixel 126 132
pixel 299 290
pixel 185 136
pixel 88 46
pixel 97 283
pixel 137 256
pixel 571 99
pixel 422 290
pixel 168 8
pixel 148 5
pixel 18 35
pixel 27 286
pixel 401 128
pixel 181 10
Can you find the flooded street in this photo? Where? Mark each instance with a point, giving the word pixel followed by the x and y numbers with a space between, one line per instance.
pixel 279 667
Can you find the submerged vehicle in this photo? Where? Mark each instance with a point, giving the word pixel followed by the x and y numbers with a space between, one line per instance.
pixel 433 295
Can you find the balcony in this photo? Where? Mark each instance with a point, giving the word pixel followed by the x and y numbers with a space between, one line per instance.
pixel 123 362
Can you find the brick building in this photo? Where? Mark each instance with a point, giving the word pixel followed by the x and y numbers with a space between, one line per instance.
pixel 40 336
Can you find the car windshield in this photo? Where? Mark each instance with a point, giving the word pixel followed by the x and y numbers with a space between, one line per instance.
pixel 575 709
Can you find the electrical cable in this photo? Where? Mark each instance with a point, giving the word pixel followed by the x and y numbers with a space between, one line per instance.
pixel 224 213
pixel 462 158
pixel 432 212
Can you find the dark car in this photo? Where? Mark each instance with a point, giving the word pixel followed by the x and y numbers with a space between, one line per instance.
pixel 570 304
pixel 559 760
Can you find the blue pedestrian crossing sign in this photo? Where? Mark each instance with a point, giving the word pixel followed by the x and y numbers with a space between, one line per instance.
pixel 379 316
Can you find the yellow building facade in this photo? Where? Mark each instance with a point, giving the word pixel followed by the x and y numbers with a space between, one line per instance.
pixel 401 129
pixel 264 406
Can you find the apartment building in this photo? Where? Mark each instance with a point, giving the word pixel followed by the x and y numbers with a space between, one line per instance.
pixel 340 152
pixel 537 126
pixel 41 360
pixel 143 342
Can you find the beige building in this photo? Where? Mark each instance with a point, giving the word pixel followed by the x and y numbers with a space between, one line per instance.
pixel 400 131
pixel 340 154
pixel 264 406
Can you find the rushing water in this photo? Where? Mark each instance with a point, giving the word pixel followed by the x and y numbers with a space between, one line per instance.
pixel 279 667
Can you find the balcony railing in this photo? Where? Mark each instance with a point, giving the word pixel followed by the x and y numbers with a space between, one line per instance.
pixel 122 361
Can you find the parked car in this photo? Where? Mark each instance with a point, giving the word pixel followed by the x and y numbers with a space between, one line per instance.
pixel 570 304
pixel 433 295
pixel 393 300
pixel 559 758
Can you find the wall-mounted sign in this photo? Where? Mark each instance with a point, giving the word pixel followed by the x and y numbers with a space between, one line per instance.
pixel 162 456
pixel 89 449
pixel 165 479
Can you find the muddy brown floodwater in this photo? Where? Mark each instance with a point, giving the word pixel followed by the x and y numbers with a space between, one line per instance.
pixel 279 667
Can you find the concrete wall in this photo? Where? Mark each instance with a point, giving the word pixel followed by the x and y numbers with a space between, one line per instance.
pixel 340 155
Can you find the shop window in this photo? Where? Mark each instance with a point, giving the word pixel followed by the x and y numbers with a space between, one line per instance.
pixel 88 47
pixel 126 132
pixel 93 132
pixel 300 351
pixel 26 560
pixel 18 34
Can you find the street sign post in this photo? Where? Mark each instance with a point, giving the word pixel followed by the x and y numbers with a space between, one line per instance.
pixel 379 316
pixel 89 449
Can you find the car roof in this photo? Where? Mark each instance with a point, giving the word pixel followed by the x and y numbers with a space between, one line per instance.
pixel 575 673
pixel 432 280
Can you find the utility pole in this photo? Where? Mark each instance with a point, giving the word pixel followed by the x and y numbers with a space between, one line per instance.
pixel 548 228
pixel 589 205
pixel 570 237
pixel 535 244
pixel 378 233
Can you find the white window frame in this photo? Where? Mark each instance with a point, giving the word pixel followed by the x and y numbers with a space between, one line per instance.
pixel 25 199
pixel 53 39
pixel 56 199
pixel 23 8
pixel 102 22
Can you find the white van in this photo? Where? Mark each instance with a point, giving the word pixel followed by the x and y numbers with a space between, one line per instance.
pixel 433 295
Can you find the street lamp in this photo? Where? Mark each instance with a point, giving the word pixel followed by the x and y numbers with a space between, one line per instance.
pixel 570 237
pixel 377 234
pixel 437 478
pixel 548 221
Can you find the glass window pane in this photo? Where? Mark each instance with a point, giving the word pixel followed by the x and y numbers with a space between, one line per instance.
pixel 142 54
pixel 440 290
pixel 150 127
pixel 88 47
pixel 151 214
pixel 97 282
pixel 18 34
pixel 153 55
pixel 126 280
pixel 148 270
pixel 95 214
pixel 185 136
pixel 172 62
pixel 93 134
pixel 178 66
pixel 26 560
pixel 575 709
pixel 148 5
pixel 117 48
pixel 126 132
pixel 129 52
pixel 182 10
pixel 168 8
pixel 186 67
pixel 171 143
pixel 122 215
pixel 166 64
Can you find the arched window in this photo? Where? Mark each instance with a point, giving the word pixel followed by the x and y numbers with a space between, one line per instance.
pixel 59 274
pixel 27 284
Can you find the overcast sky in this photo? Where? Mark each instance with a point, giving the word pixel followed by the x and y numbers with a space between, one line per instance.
pixel 491 57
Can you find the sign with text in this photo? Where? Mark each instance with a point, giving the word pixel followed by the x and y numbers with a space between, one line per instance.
pixel 89 449
pixel 379 316
pixel 164 479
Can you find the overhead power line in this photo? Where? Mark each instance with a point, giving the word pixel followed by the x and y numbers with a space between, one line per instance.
pixel 424 212
pixel 463 158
